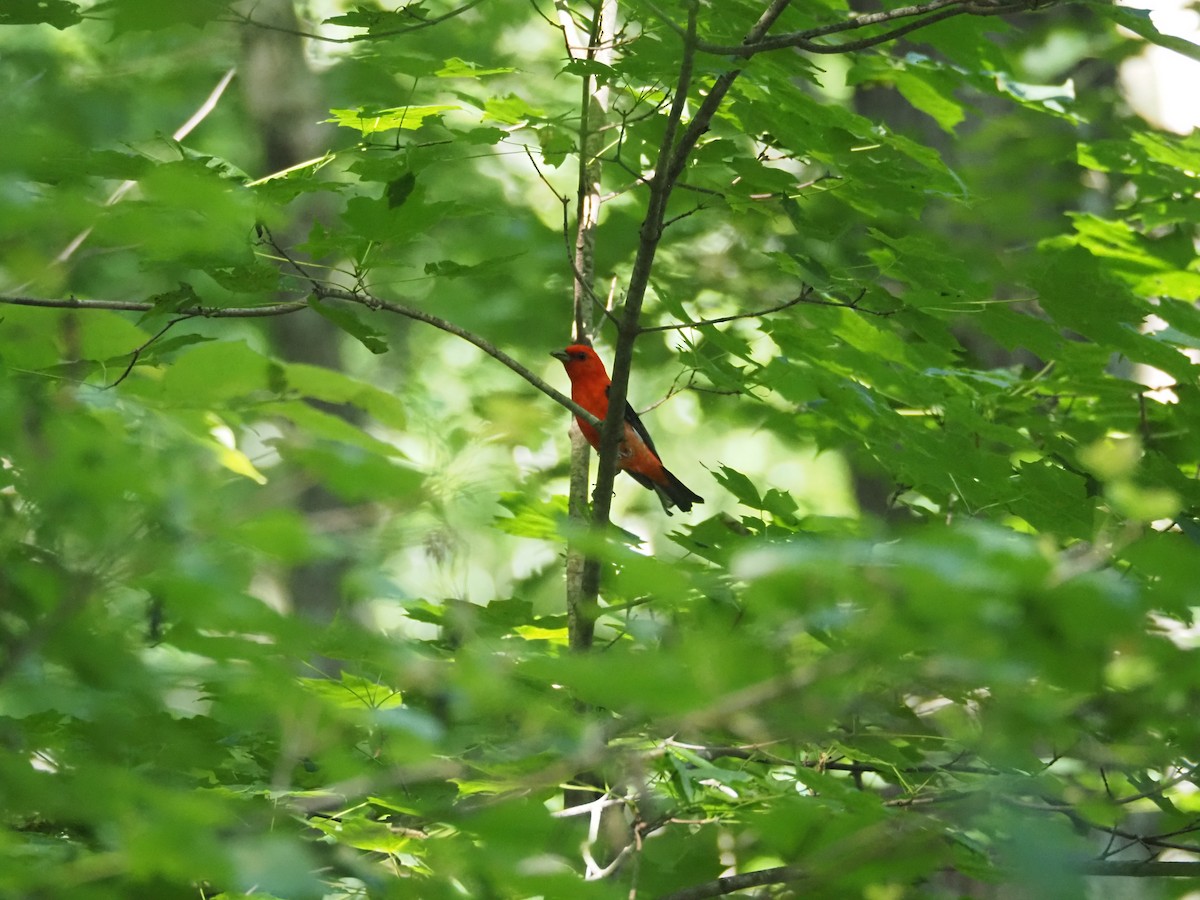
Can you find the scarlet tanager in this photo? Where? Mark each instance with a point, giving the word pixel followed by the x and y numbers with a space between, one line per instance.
pixel 636 453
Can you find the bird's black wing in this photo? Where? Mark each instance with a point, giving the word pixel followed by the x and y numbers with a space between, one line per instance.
pixel 634 422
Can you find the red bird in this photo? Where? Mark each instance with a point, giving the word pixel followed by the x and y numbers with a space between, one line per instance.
pixel 636 453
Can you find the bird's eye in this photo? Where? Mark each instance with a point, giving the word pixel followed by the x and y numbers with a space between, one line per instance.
pixel 578 355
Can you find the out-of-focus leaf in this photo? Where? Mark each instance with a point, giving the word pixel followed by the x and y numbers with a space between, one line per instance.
pixel 372 121
pixel 371 338
pixel 58 13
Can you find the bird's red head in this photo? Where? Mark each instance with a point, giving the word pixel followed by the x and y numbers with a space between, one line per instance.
pixel 581 361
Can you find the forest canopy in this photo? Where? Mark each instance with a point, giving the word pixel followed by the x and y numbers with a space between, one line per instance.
pixel 310 589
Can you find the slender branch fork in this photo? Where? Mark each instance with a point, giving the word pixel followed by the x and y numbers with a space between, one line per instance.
pixel 677 145
pixel 922 14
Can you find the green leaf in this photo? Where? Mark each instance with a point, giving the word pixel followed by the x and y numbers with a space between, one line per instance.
pixel 583 66
pixel 316 423
pixel 929 99
pixel 927 87
pixel 276 866
pixel 58 13
pixel 532 518
pixel 556 144
pixel 1113 313
pixel 336 387
pixel 108 335
pixel 740 486
pixel 398 190
pixel 171 302
pixel 448 268
pixel 461 68
pixel 149 15
pixel 510 110
pixel 372 121
pixel 1141 22
pixel 371 338
pixel 381 21
pixel 281 534
pixel 354 474
pixel 216 372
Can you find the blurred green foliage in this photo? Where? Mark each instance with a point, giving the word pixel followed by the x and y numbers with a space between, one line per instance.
pixel 932 628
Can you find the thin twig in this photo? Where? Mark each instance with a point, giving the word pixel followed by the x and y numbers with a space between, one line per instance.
pixel 1158 841
pixel 667 223
pixel 863 44
pixel 925 14
pixel 649 236
pixel 321 293
pixel 1135 869
pixel 208 312
pixel 470 337
pixel 1185 773
pixel 733 883
pixel 581 281
pixel 803 297
pixel 201 113
pixel 247 19
pixel 672 390
pixel 133 358
pixel 283 254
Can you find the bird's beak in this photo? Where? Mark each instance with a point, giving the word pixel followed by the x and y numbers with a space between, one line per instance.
pixel 560 355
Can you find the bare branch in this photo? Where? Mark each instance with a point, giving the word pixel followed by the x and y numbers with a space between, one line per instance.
pixel 321 293
pixel 581 282
pixel 803 40
pixel 733 883
pixel 925 14
pixel 805 296
pixel 208 312
pixel 133 358
pixel 1148 869
pixel 248 19
pixel 867 19
pixel 852 46
pixel 469 336
pixel 667 223
pixel 1184 773
pixel 593 117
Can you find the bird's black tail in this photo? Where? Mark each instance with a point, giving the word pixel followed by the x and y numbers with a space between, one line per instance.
pixel 675 493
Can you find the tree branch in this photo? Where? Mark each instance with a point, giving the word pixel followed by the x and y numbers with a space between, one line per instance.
pixel 593 45
pixel 248 19
pixel 208 312
pixel 805 296
pixel 650 234
pixel 137 353
pixel 672 156
pixel 900 31
pixel 469 336
pixel 322 293
pixel 925 13
pixel 1151 868
pixel 732 883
